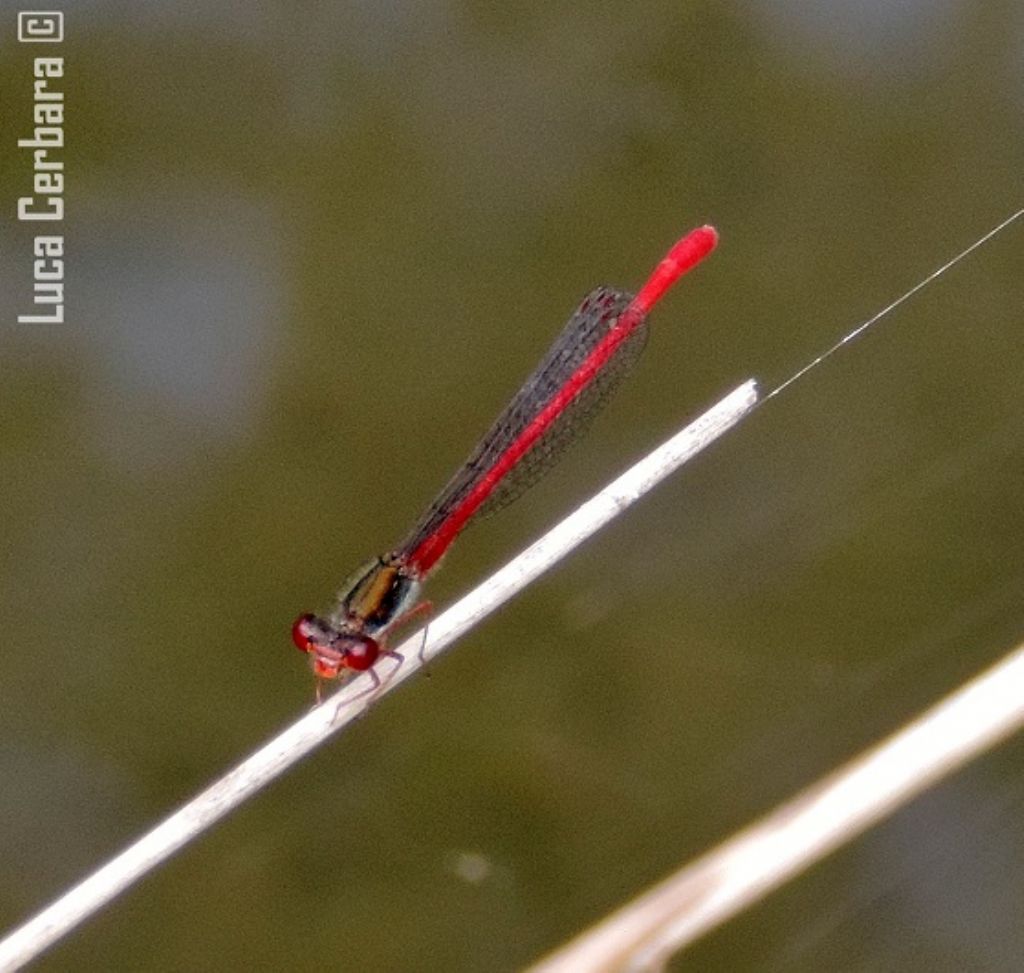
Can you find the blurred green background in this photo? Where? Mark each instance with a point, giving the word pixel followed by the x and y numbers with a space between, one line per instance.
pixel 311 251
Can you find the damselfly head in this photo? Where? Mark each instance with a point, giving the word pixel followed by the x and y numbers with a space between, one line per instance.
pixel 332 651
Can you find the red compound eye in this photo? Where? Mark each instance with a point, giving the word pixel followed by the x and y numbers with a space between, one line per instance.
pixel 304 632
pixel 361 654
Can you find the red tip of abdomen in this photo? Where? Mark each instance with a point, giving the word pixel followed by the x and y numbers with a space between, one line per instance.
pixel 684 256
